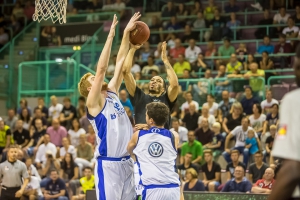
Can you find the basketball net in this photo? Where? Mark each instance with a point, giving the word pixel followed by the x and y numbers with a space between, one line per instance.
pixel 54 9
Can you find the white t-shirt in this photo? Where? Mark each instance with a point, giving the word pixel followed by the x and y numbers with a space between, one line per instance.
pixel 138 187
pixel 135 69
pixel 287 141
pixel 281 20
pixel 182 131
pixel 267 105
pixel 211 120
pixel 71 150
pixel 41 152
pixel 241 135
pixel 34 172
pixel 171 44
pixel 257 123
pixel 54 111
pixel 289 31
pixel 74 136
pixel 214 107
pixel 192 54
pixel 34 184
pixel 185 106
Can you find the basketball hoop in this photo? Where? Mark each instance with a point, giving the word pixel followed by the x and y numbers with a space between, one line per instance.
pixel 54 9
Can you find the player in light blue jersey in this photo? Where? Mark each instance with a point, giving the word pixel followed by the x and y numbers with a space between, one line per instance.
pixel 114 173
pixel 156 152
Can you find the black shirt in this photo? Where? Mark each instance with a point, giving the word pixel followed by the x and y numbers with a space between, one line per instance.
pixel 56 186
pixel 248 104
pixel 68 111
pixel 44 110
pixel 140 100
pixel 69 171
pixel 199 186
pixel 230 168
pixel 210 175
pixel 44 122
pixel 37 135
pixel 270 142
pixel 204 137
pixel 192 35
pixel 216 139
pixel 257 173
pixel 20 138
pixel 191 121
pixel 181 167
pixel 232 123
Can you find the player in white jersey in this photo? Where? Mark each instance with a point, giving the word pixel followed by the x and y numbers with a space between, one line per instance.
pixel 156 152
pixel 114 174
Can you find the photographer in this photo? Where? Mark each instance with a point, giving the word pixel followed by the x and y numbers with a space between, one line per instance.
pixel 50 164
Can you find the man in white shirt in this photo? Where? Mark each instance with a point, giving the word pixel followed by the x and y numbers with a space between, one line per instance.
pixel 43 149
pixel 182 131
pixel 151 66
pixel 185 106
pixel 33 189
pixel 291 31
pixel 192 52
pixel 266 105
pixel 55 109
pixel 281 17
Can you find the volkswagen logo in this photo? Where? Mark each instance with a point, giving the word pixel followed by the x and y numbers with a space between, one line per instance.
pixel 155 149
pixel 155 130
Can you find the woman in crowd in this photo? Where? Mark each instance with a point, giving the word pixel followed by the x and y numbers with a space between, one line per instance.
pixel 250 59
pixel 67 148
pixel 212 105
pixel 234 119
pixel 193 183
pixel 257 119
pixel 26 118
pixel 75 132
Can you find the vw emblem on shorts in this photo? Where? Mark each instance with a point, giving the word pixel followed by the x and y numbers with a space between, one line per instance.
pixel 155 149
pixel 155 130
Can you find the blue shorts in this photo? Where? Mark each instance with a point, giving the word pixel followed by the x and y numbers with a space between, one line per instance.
pixel 30 151
pixel 216 183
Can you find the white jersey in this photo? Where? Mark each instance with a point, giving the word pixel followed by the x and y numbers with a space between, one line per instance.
pixel 156 157
pixel 138 187
pixel 112 127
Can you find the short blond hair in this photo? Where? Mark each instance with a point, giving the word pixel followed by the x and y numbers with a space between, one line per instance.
pixel 84 84
pixel 217 125
pixel 273 126
pixel 193 172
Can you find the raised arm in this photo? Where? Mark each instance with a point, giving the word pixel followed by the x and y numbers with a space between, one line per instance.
pixel 117 79
pixel 94 100
pixel 173 88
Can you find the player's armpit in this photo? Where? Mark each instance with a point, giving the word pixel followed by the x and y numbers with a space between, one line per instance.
pixel 133 142
pixel 176 138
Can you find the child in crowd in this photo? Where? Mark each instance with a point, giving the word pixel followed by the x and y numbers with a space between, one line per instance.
pixel 217 144
pixel 251 143
pixel 241 52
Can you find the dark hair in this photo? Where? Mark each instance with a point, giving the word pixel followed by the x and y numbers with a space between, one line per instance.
pixel 67 99
pixel 188 92
pixel 159 112
pixel 37 109
pixel 282 35
pixel 189 153
pixel 245 117
pixel 41 98
pixel 151 57
pixel 75 119
pixel 258 106
pixel 87 168
pixel 13 146
pixel 81 98
pixel 266 36
pixel 64 165
pixel 207 151
pixel 174 119
pixel 53 170
pixel 275 104
pixel 265 52
pixel 298 51
pixel 27 119
pixel 259 152
pixel 211 96
pixel 25 102
pixel 234 151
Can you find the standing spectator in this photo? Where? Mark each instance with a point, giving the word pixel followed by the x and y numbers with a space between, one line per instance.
pixel 234 64
pixel 234 155
pixel 43 148
pixel 239 183
pixel 125 100
pixel 91 136
pixel 267 104
pixel 41 105
pixel 283 47
pixel 204 134
pixel 205 114
pixel 185 106
pixel 67 148
pixel 56 133
pixel 55 109
pixel 21 135
pixel 192 52
pixel 29 10
pixel 26 118
pixel 36 138
pixel 217 25
pixel 86 183
pixel 248 101
pixel 11 119
pixel 81 108
pixel 258 168
pixel 264 186
pixel 74 132
pixel 190 119
pixel 233 119
pixel 281 18
pixel 39 115
pixel 178 49
pixel 169 10
pixel 68 113
pixel 291 31
pixel 211 172
pixel 193 183
pixel 187 163
pixel 266 46
pixel 212 105
pixel 181 65
pixel 3 37
pixel 231 7
pixel 199 22
pixel 84 153
pixel 69 171
pixel 225 106
pixel 257 119
pixel 267 20
pixel 55 188
pixel 217 143
pixel 182 132
pixel 193 146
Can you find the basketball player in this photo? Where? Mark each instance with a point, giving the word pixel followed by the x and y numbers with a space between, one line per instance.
pixel 158 91
pixel 114 174
pixel 287 142
pixel 156 152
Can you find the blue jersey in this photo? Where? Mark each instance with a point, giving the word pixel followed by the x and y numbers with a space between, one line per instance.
pixel 156 157
pixel 112 127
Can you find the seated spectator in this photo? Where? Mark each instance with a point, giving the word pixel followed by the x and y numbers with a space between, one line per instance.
pixel 190 119
pixel 217 25
pixel 221 85
pixel 231 7
pixel 199 66
pixel 145 52
pixel 272 118
pixel 173 25
pixel 20 135
pixel 257 119
pixel 188 34
pixel 250 60
pixel 2 21
pixel 85 183
pixel 240 133
pixel 67 148
pixel 209 10
pixel 291 31
pixel 55 108
pixel 29 10
pixel 203 87
pixel 111 68
pixel 193 183
pixel 267 20
pixel 181 65
pixel 205 114
pixel 177 50
pixel 11 119
pixel 266 63
pixel 283 47
pixel 233 119
pixel 119 6
pixel 196 8
pixel 212 105
pixel 74 132
pixel 41 152
pixel 268 103
pixel 241 53
pixel 264 186
pixel 57 132
pixel 297 14
pixel 169 11
pixel 5 134
pixel 193 146
pixel 32 169
pixel 91 136
pixel 233 64
pixel 26 118
pixel 84 153
pixel 151 66
pixel 239 183
pixel 266 46
pixel 81 108
pixel 281 18
pixel 187 164
pixel 248 101
pixel 258 168
pixel 68 113
pixel 270 140
pixel 39 115
pixel 251 143
pixel 210 49
pixel 33 189
pixel 257 85
pixel 18 11
pixel 224 107
pixel 234 155
pixel 182 132
pixel 50 164
pixel 55 188
pixel 185 106
pixel 226 49
pixel 204 134
pixel 192 52
pixel 233 26
pixel 211 172
pixel 217 143
pixel 69 171
pixel 14 24
pixel 199 22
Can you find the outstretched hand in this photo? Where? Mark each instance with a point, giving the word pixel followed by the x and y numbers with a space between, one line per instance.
pixel 131 24
pixel 164 56
pixel 113 26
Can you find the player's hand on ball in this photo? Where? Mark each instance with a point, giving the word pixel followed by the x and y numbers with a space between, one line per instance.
pixel 164 56
pixel 131 24
pixel 113 26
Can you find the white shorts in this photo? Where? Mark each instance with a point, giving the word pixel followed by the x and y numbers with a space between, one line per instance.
pixel 161 193
pixel 114 179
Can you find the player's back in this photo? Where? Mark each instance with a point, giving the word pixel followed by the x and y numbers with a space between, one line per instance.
pixel 112 127
pixel 156 157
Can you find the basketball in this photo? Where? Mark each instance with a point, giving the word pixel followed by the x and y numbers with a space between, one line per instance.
pixel 140 34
